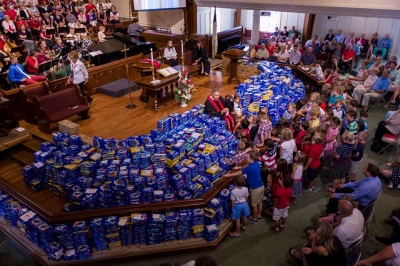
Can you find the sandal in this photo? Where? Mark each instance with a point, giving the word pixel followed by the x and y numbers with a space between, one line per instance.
pixel 274 229
pixel 243 228
pixel 232 234
pixel 294 254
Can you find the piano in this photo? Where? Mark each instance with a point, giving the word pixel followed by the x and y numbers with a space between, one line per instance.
pixel 112 48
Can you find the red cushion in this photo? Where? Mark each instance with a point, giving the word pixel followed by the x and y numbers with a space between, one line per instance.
pixel 389 136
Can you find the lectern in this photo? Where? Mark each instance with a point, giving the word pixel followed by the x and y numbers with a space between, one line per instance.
pixel 234 55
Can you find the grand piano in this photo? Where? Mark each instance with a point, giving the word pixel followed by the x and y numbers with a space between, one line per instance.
pixel 112 48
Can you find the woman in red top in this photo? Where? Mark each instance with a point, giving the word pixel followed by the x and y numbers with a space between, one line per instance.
pixel 348 55
pixel 47 38
pixel 20 22
pixel 271 48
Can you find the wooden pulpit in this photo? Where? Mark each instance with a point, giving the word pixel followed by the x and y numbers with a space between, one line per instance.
pixel 234 55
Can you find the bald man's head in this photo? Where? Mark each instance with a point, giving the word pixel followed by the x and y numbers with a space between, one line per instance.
pixel 345 207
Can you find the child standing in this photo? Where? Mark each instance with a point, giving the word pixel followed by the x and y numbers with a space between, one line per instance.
pixel 335 95
pixel 269 157
pixel 299 137
pixel 237 106
pixel 318 74
pixel 240 207
pixel 341 160
pixel 314 117
pixel 351 125
pixel 281 204
pixel 314 162
pixel 264 129
pixel 363 118
pixel 240 156
pixel 357 155
pixel 297 175
pixel 330 142
pixel 394 174
pixel 288 146
pixel 290 112
pixel 338 109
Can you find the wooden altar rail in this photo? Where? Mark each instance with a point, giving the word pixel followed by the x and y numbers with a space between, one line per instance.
pixel 55 214
pixel 98 76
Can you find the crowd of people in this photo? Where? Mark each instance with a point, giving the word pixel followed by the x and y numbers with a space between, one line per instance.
pixel 274 165
pixel 51 28
pixel 340 50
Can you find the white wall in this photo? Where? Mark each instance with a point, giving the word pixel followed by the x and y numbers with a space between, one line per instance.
pixel 288 19
pixel 358 25
pixel 205 16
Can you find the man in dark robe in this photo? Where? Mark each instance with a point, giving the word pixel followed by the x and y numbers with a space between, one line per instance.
pixel 215 105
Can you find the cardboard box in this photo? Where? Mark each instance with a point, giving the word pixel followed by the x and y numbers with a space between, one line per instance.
pixel 68 127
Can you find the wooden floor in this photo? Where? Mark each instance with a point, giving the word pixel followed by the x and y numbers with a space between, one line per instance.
pixel 109 117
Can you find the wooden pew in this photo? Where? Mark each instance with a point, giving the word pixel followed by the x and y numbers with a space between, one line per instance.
pixel 60 105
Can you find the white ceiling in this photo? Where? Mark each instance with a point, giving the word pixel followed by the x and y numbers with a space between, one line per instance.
pixel 361 8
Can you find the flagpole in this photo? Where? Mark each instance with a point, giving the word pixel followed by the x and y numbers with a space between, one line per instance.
pixel 214 36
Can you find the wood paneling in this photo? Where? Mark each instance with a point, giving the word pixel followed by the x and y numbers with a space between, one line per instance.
pixel 161 39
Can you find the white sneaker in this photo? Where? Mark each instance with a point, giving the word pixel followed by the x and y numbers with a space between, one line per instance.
pixel 390 186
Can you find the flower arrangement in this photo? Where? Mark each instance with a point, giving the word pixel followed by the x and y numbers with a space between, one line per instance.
pixel 184 90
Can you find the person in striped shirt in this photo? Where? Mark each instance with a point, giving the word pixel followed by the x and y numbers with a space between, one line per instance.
pixel 269 157
pixel 341 160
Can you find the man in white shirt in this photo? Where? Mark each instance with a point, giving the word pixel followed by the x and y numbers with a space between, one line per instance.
pixel 262 53
pixel 295 55
pixel 170 54
pixel 351 227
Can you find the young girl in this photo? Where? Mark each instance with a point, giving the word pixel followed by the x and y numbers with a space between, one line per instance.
pixel 314 117
pixel 282 170
pixel 297 175
pixel 394 174
pixel 237 106
pixel 330 142
pixel 288 146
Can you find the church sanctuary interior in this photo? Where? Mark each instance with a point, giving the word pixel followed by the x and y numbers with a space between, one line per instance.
pixel 199 132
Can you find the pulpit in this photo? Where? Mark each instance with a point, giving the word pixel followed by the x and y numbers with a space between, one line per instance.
pixel 234 55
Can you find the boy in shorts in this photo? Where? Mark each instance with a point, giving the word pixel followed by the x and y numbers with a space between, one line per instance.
pixel 358 155
pixel 253 172
pixel 240 207
pixel 341 160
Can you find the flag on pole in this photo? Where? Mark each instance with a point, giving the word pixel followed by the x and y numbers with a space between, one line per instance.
pixel 214 36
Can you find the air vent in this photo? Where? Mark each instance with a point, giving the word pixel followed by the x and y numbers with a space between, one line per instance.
pixel 332 18
pixel 265 13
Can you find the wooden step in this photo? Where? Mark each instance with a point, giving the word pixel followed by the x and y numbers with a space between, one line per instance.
pixel 33 144
pixel 22 154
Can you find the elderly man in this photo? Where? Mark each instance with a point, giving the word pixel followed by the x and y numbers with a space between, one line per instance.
pixel 170 54
pixel 339 36
pixel 308 58
pixel 364 191
pixel 295 32
pixel 383 45
pixel 348 55
pixel 351 226
pixel 262 53
pixel 379 88
pixel 369 82
pixel 217 106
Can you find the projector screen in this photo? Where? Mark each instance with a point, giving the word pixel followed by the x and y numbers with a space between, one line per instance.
pixel 144 5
